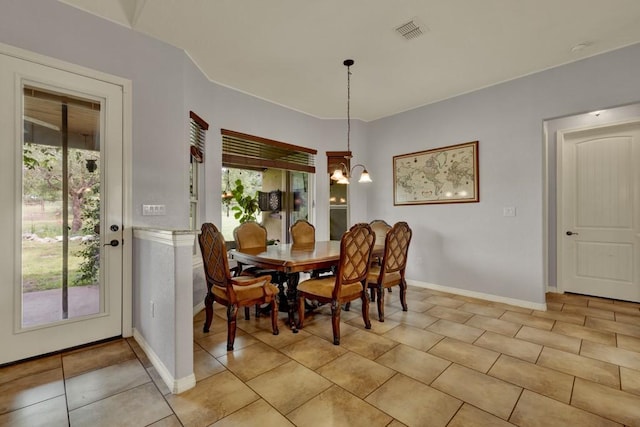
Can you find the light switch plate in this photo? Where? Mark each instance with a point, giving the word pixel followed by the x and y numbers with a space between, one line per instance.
pixel 509 211
pixel 154 210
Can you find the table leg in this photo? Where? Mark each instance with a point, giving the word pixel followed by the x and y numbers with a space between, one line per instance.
pixel 292 299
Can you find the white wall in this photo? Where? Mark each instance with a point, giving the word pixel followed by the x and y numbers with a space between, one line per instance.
pixel 472 246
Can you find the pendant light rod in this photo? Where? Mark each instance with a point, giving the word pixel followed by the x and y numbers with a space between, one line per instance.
pixel 348 63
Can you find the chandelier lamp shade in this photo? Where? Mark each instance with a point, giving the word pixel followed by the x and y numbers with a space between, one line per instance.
pixel 342 174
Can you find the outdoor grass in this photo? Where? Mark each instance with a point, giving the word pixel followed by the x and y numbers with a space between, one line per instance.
pixel 42 265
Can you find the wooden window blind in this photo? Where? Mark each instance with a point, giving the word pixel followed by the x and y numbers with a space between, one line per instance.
pixel 197 131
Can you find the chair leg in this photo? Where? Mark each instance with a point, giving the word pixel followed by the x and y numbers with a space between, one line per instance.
pixel 347 306
pixel 335 321
pixel 246 313
pixel 274 316
pixel 365 309
pixel 403 294
pixel 373 294
pixel 232 312
pixel 380 292
pixel 208 310
pixel 300 312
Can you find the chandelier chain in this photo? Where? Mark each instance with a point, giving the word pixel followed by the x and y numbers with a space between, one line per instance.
pixel 348 109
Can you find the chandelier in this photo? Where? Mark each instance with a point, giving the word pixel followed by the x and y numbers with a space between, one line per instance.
pixel 342 174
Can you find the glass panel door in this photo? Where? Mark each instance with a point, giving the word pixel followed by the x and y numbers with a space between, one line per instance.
pixel 60 207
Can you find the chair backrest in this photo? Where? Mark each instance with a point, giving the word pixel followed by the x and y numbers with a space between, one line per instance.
pixel 396 248
pixel 380 227
pixel 214 255
pixel 302 232
pixel 356 246
pixel 249 235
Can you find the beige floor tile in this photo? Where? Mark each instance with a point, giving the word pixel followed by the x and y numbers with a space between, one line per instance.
pixel 568 298
pixel 411 318
pixel 356 374
pixel 534 410
pixel 577 319
pixel 289 386
pixel 471 416
pixel 258 411
pixel 140 354
pixel 337 407
pixel 554 306
pixel 632 304
pixel 414 337
pixel 614 404
pixel 548 382
pixel 24 369
pixel 100 383
pixel 423 406
pixel 550 339
pixel 49 413
pixel 414 363
pixel 158 381
pixel 447 313
pixel 618 308
pixel 487 393
pixel 494 325
pixel 465 354
pixel 580 366
pixel 216 343
pixel 79 362
pixel 377 327
pixel 204 364
pixel 455 330
pixel 512 308
pixel 393 300
pixel 211 399
pixel 629 343
pixel 283 339
pixel 170 421
pixel 444 301
pixel 32 389
pixel 251 361
pixel 589 311
pixel 139 406
pixel 512 346
pixel 528 319
pixel 321 326
pixel 618 356
pixel 628 318
pixel 585 333
pixel 482 309
pixel 630 380
pixel 313 351
pixel 367 344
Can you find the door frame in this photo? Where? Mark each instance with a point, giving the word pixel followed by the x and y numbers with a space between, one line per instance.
pixel 560 138
pixel 127 234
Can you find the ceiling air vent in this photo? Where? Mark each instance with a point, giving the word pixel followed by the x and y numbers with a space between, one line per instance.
pixel 410 30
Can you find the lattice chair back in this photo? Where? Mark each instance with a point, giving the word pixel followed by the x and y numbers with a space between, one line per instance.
pixel 356 246
pixel 396 248
pixel 214 255
pixel 380 227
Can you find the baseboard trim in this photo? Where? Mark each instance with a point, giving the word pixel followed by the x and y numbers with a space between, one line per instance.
pixel 479 295
pixel 175 385
pixel 198 308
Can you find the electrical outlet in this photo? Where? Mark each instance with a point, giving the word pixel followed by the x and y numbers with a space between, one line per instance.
pixel 154 210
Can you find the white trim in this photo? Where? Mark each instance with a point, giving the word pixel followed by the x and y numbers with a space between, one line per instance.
pixel 176 238
pixel 198 308
pixel 127 207
pixel 175 385
pixel 479 295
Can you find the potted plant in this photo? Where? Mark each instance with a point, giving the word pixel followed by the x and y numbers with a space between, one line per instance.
pixel 247 206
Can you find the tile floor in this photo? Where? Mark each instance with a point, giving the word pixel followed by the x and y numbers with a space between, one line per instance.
pixel 448 361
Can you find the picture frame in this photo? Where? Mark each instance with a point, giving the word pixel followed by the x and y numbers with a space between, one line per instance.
pixel 440 175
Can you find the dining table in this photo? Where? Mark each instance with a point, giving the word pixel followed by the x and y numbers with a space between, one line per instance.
pixel 290 260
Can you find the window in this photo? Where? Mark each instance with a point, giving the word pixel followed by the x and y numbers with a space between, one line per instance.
pixel 197 131
pixel 338 195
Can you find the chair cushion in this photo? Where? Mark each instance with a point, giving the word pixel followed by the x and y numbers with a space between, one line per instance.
pixel 248 292
pixel 323 287
pixel 390 279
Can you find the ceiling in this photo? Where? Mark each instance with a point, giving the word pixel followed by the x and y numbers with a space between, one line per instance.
pixel 290 52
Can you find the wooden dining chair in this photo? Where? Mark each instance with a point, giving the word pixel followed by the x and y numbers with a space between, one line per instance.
pixel 392 267
pixel 380 227
pixel 251 235
pixel 232 292
pixel 302 232
pixel 349 282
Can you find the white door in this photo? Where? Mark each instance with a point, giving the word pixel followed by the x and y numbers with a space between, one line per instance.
pixel 61 205
pixel 599 221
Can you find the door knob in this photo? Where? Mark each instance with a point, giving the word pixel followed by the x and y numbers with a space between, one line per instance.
pixel 113 243
pixel 114 228
pixel 571 233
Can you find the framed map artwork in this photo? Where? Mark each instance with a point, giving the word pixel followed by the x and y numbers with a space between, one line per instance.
pixel 442 175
